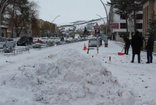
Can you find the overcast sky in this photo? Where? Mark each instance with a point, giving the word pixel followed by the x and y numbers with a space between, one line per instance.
pixel 70 10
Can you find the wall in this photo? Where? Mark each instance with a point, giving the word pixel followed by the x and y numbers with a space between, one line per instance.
pixel 155 46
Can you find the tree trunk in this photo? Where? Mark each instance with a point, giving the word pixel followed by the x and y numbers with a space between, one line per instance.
pixel 135 21
pixel 126 23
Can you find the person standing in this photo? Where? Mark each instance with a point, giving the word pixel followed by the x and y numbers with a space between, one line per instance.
pixel 149 48
pixel 127 44
pixel 136 46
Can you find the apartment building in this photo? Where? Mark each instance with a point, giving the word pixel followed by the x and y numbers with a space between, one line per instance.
pixel 149 7
pixel 118 23
pixel 4 31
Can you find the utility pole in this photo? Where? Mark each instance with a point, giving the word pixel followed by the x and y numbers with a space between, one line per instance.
pixel 106 38
pixel 54 24
pixel 106 15
pixel 102 19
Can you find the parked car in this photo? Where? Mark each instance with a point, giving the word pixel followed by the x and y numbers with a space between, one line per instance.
pixel 44 39
pixel 7 42
pixel 94 41
pixel 25 40
pixel 37 40
pixel 69 39
pixel 55 40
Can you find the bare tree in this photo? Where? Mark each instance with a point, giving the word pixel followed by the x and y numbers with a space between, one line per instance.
pixel 19 15
pixel 3 4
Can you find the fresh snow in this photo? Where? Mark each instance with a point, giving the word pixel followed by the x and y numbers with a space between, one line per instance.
pixel 67 75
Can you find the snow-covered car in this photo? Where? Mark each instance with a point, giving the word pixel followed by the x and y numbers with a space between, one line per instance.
pixel 37 40
pixel 51 39
pixel 69 39
pixel 92 42
pixel 55 40
pixel 44 39
pixel 7 43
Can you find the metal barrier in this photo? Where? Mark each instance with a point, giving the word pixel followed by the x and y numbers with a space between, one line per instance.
pixel 14 50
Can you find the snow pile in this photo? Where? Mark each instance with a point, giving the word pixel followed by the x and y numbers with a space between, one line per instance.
pixel 67 78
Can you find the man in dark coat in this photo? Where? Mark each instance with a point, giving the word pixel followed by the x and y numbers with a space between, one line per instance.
pixel 136 46
pixel 127 44
pixel 149 48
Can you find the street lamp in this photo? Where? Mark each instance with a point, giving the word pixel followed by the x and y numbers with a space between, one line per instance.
pixel 55 18
pixel 101 18
pixel 106 15
pixel 52 23
pixel 106 38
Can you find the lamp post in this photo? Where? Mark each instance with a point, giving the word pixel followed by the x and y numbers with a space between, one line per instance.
pixel 101 18
pixel 106 15
pixel 52 23
pixel 1 16
pixel 106 38
pixel 103 36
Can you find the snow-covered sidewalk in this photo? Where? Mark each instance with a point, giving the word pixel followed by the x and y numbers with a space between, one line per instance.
pixel 67 75
pixel 140 78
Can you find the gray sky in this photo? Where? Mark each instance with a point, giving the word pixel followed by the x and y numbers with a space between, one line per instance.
pixel 70 10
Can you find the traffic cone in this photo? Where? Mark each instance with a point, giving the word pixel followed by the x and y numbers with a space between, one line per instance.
pixel 84 48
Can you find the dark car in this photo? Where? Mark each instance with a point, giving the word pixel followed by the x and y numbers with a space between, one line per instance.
pixel 25 40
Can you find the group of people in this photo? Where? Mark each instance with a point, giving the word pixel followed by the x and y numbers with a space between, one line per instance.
pixel 137 45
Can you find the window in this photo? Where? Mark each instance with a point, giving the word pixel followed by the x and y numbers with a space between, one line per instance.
pixel 139 25
pixel 122 25
pixel 122 16
pixel 139 16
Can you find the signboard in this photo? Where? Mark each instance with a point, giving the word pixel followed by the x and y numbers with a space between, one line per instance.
pixel 114 25
pixel 47 31
pixel 97 29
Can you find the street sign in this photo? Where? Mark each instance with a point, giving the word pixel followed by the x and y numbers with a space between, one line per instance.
pixel 47 31
pixel 97 32
pixel 114 25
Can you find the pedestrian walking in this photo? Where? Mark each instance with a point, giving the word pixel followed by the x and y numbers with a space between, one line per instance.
pixel 149 48
pixel 136 46
pixel 127 44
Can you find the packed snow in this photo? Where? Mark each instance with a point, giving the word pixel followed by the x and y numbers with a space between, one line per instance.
pixel 67 75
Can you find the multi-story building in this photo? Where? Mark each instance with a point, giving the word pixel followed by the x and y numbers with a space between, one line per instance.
pixel 118 24
pixel 4 31
pixel 149 7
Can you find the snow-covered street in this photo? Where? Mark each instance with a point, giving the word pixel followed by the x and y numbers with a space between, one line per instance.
pixel 67 75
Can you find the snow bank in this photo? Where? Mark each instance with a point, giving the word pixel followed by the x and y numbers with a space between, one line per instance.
pixel 67 78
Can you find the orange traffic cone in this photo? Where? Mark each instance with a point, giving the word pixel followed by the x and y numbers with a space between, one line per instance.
pixel 84 48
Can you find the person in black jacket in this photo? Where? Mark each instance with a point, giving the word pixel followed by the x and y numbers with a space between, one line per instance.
pixel 149 48
pixel 136 46
pixel 127 44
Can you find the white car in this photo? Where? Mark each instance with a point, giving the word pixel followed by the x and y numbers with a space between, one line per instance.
pixel 55 40
pixel 44 39
pixel 7 43
pixel 37 40
pixel 92 42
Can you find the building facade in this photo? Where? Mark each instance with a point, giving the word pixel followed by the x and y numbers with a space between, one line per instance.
pixel 118 25
pixel 149 7
pixel 4 31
